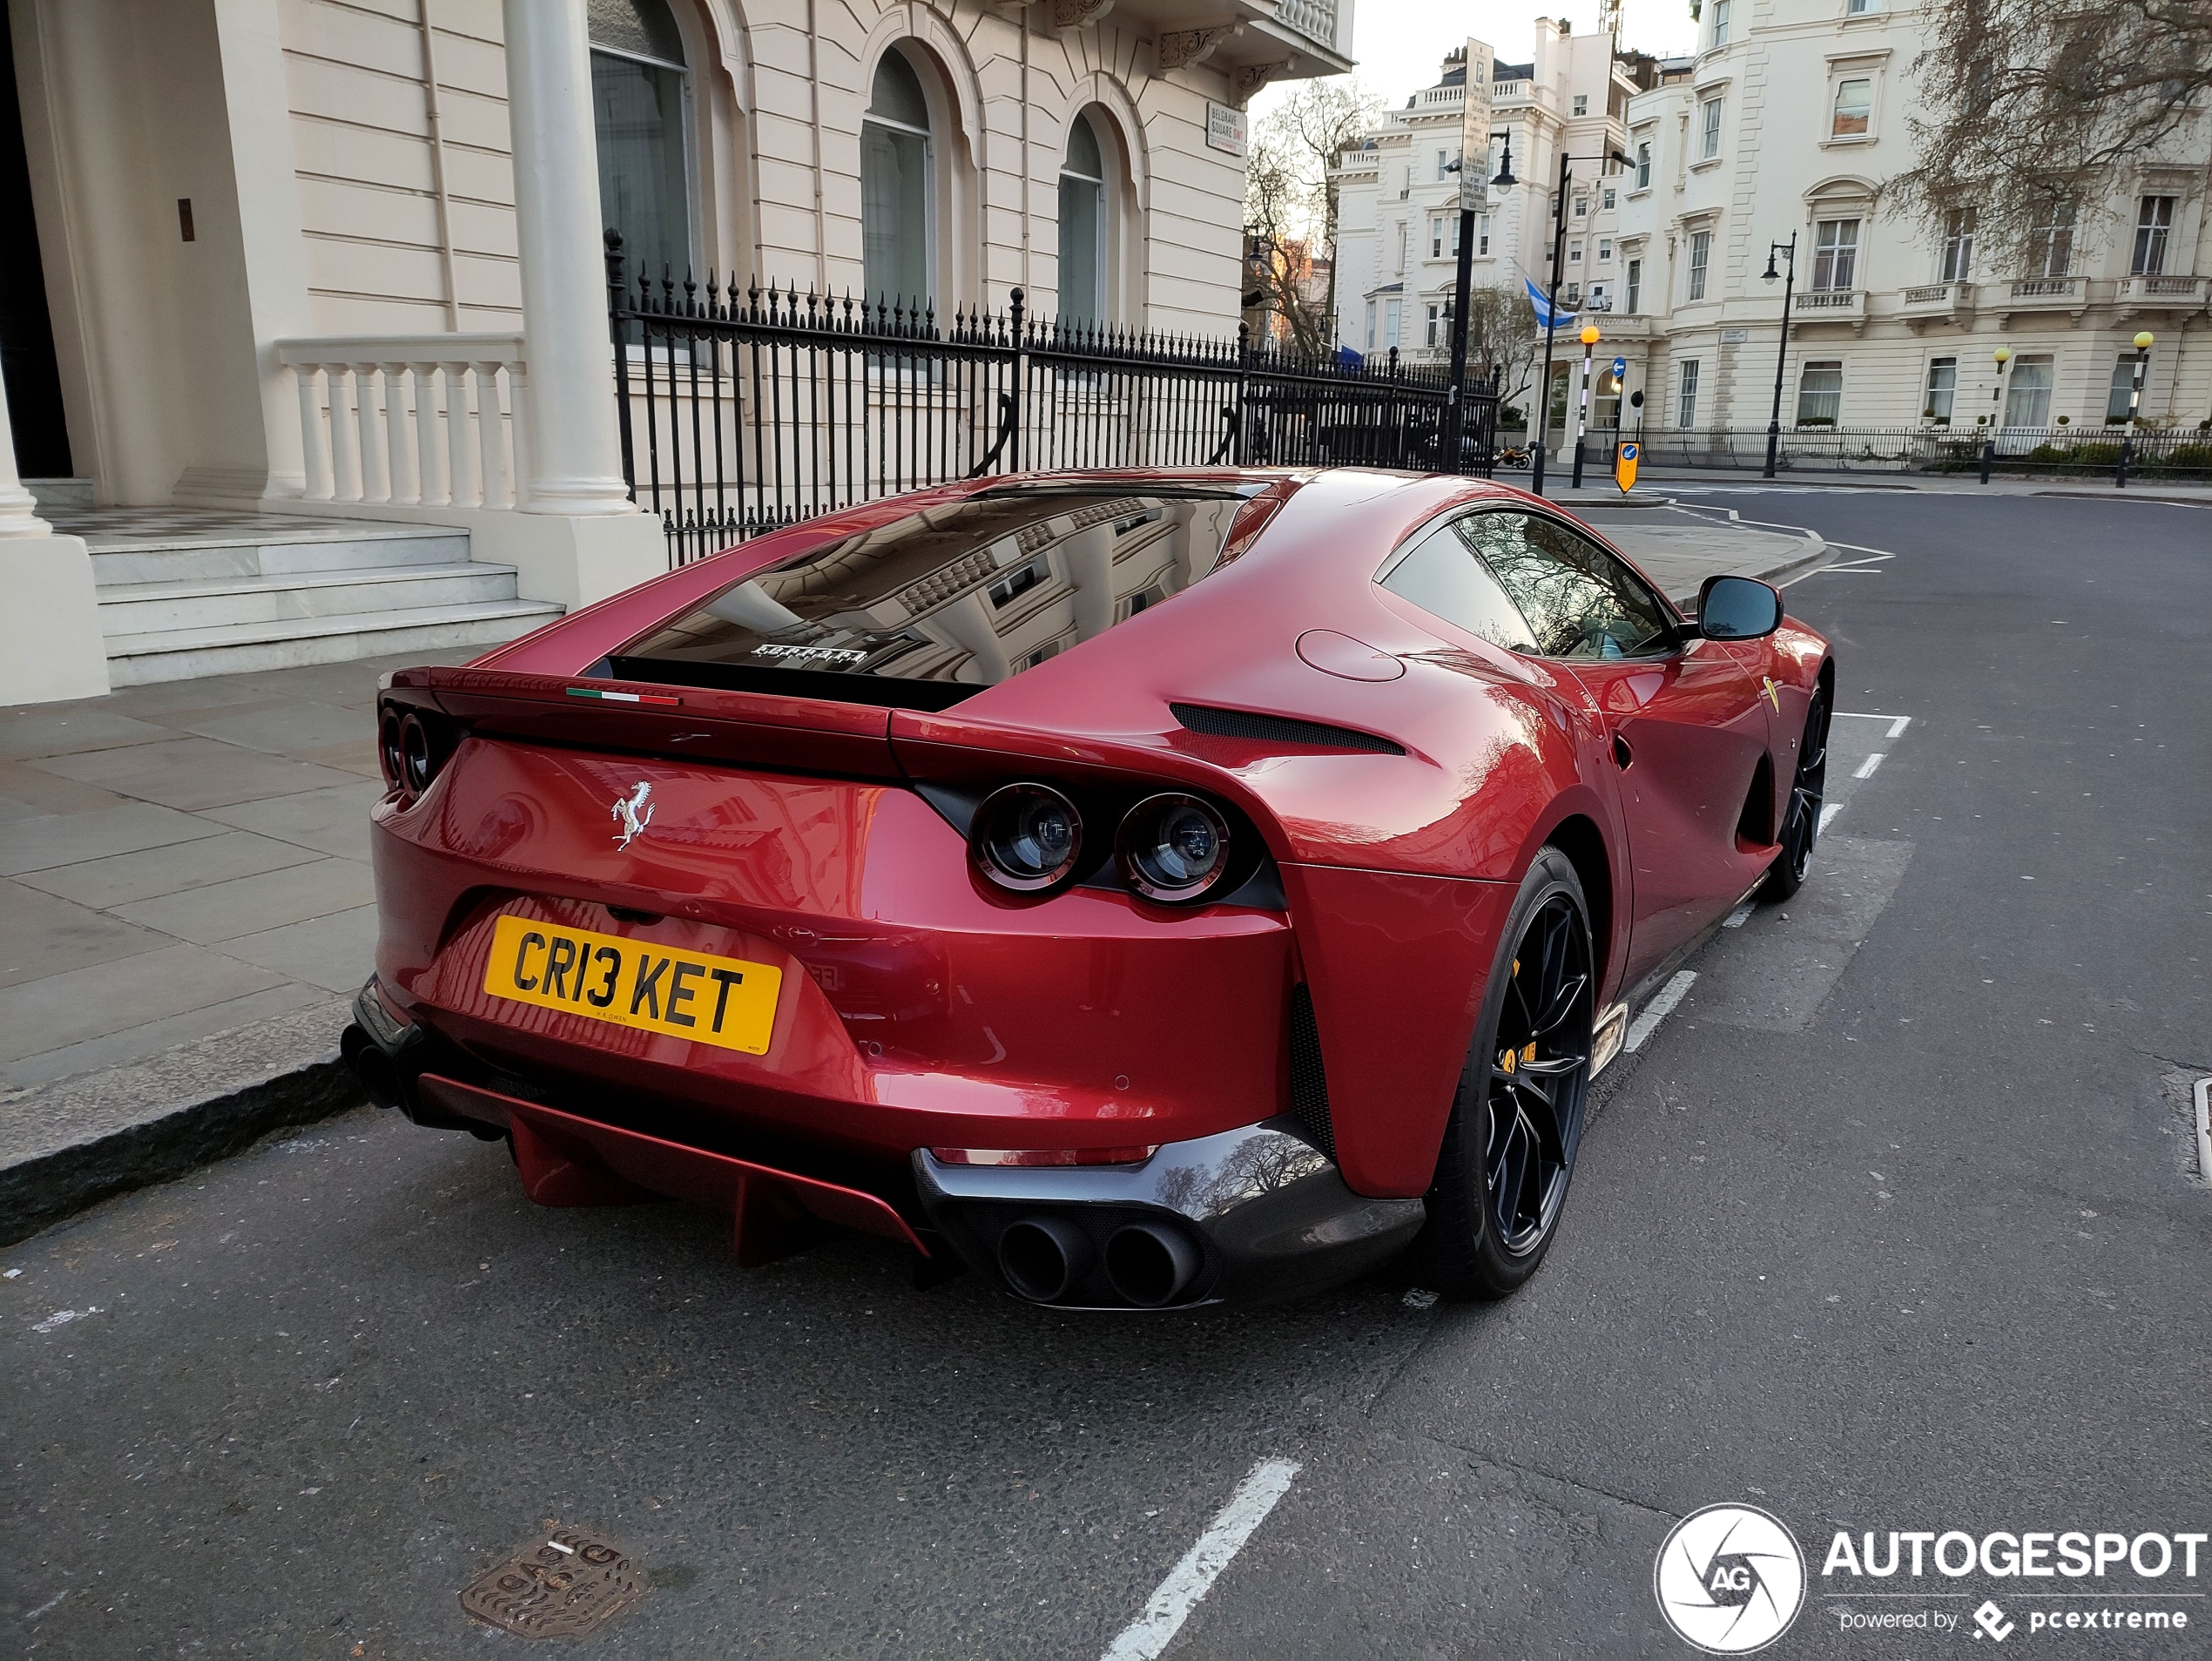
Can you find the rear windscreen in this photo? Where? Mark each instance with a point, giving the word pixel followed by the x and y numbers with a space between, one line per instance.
pixel 923 612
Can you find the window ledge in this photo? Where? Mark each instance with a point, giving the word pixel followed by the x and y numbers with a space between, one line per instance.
pixel 1847 141
pixel 1710 163
pixel 1639 193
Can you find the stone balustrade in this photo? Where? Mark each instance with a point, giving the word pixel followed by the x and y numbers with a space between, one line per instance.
pixel 429 419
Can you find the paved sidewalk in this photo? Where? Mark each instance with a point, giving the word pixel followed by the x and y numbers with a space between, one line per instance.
pixel 1679 551
pixel 187 903
pixel 181 859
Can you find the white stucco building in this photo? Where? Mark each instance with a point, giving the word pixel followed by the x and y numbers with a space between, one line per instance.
pixel 342 258
pixel 1792 119
pixel 1398 217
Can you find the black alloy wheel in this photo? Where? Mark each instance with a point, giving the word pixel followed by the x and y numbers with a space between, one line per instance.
pixel 1509 1146
pixel 1807 791
pixel 1539 1074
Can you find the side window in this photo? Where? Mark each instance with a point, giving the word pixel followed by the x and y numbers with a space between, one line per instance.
pixel 1439 573
pixel 1580 600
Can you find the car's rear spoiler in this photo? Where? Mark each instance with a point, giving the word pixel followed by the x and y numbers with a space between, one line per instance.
pixel 694 723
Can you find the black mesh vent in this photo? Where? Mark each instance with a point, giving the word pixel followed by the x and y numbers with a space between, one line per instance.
pixel 1237 724
pixel 1309 1085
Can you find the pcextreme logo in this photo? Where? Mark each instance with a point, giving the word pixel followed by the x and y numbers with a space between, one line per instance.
pixel 1730 1579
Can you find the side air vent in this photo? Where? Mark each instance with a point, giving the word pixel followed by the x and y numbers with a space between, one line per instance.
pixel 1309 1085
pixel 1240 723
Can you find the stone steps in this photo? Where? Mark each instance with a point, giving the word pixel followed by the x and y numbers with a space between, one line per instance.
pixel 127 560
pixel 242 648
pixel 184 593
pixel 129 609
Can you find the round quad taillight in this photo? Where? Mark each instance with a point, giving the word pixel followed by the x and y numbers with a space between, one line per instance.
pixel 390 754
pixel 1174 848
pixel 1027 838
pixel 418 763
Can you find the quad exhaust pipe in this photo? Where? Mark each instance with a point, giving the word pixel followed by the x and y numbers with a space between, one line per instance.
pixel 1044 1258
pixel 371 1067
pixel 1150 1264
pixel 1047 1259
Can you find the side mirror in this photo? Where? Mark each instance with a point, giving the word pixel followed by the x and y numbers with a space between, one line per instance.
pixel 1737 608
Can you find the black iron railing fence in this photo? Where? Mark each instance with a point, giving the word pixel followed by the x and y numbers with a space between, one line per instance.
pixel 743 411
pixel 2062 452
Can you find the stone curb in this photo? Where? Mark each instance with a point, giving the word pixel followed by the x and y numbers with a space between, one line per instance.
pixel 1816 553
pixel 68 1145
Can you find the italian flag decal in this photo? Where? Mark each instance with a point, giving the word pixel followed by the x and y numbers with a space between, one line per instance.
pixel 623 698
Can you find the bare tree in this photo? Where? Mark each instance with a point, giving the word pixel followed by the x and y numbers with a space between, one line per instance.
pixel 1278 253
pixel 1291 198
pixel 1501 329
pixel 2027 105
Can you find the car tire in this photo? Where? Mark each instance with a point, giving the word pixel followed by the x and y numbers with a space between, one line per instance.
pixel 1516 1120
pixel 1801 819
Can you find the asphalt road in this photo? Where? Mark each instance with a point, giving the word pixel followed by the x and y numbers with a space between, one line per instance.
pixel 1893 1223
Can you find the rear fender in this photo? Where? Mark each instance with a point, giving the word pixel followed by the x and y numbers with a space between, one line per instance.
pixel 1611 895
pixel 1396 966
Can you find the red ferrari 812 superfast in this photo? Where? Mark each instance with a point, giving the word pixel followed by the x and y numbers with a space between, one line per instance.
pixel 1146 888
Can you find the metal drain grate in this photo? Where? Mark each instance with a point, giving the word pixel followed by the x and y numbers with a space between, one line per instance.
pixel 562 1585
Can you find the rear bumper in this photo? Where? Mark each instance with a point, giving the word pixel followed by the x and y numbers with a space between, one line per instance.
pixel 1250 1215
pixel 1267 1213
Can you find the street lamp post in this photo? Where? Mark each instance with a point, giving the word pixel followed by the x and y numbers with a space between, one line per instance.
pixel 1789 251
pixel 2134 404
pixel 1450 441
pixel 2004 355
pixel 1583 404
pixel 1551 308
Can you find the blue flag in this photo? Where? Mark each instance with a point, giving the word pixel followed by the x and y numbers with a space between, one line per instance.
pixel 1546 318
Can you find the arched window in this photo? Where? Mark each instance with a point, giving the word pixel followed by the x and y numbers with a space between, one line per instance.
pixel 1082 225
pixel 639 93
pixel 897 187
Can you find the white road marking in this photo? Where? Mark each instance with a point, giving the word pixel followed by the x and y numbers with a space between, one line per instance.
pixel 1863 715
pixel 1659 1008
pixel 2204 1130
pixel 1898 726
pixel 1190 1579
pixel 1741 915
pixel 1830 812
pixel 1869 566
pixel 1866 768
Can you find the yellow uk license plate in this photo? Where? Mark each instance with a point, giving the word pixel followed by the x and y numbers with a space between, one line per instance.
pixel 722 1001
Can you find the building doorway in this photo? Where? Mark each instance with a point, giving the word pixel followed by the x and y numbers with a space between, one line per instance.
pixel 34 384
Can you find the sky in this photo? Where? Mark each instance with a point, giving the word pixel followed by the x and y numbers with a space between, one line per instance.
pixel 1398 44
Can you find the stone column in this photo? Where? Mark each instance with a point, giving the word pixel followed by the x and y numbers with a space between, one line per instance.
pixel 577 537
pixel 576 454
pixel 55 650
